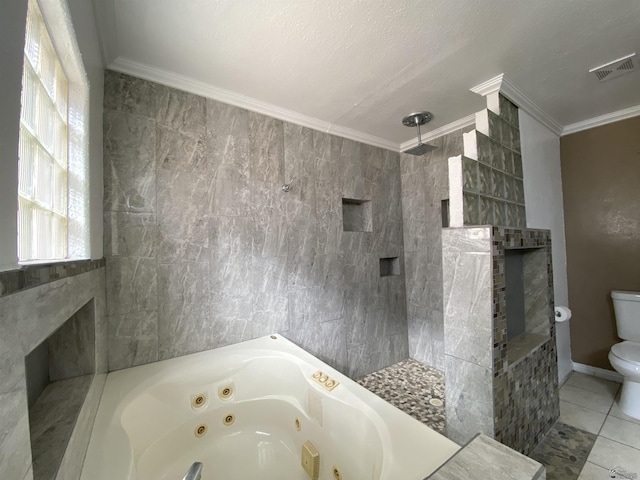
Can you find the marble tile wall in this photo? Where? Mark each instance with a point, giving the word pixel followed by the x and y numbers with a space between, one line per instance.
pixel 536 305
pixel 468 332
pixel 425 184
pixel 72 348
pixel 204 249
pixel 27 317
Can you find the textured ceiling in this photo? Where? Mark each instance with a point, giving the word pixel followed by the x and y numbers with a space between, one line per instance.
pixel 363 65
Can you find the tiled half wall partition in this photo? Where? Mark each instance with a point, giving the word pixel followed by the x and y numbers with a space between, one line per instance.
pixel 204 249
pixel 506 388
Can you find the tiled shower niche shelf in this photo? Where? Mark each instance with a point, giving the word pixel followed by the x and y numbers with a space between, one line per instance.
pixel 520 347
pixel 389 266
pixel 51 421
pixel 527 300
pixel 356 215
pixel 59 373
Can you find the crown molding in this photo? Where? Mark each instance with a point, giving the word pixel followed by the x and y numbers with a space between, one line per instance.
pixel 187 84
pixel 501 83
pixel 490 86
pixel 601 120
pixel 439 132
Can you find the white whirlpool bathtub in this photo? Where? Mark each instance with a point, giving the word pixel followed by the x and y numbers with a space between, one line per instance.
pixel 246 411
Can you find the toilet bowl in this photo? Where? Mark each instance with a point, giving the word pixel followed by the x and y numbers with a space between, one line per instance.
pixel 625 359
pixel 625 356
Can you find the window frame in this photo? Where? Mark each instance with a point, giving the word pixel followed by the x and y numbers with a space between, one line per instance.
pixel 57 20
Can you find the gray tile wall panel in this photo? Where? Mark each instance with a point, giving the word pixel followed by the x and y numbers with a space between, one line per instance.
pixel 204 249
pixel 424 184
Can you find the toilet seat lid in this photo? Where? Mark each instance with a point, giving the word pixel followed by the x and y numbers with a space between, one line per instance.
pixel 629 351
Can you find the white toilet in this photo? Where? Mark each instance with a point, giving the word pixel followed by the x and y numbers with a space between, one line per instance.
pixel 625 356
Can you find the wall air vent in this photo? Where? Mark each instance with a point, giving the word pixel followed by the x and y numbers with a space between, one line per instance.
pixel 616 68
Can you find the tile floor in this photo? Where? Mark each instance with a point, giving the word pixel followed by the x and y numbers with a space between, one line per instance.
pixel 591 437
pixel 589 404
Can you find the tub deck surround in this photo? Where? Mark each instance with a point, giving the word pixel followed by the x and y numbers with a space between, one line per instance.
pixel 27 318
pixel 146 424
pixel 484 458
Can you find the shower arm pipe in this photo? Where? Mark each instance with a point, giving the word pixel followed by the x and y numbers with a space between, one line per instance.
pixel 418 126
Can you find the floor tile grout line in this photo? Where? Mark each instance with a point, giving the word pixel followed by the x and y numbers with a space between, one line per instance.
pixel 606 417
pixel 614 441
pixel 587 408
pixel 615 395
pixel 600 435
pixel 591 390
pixel 618 441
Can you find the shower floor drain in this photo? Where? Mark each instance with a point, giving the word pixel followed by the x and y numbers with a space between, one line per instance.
pixel 436 402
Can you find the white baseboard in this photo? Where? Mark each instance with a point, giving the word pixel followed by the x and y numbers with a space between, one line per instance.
pixel 597 372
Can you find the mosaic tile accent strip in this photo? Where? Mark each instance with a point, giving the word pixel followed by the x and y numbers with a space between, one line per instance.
pixel 30 276
pixel 414 388
pixel 564 452
pixel 526 402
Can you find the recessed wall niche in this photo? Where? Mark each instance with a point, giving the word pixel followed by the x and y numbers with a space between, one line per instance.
pixel 59 373
pixel 444 212
pixel 389 266
pixel 356 215
pixel 527 300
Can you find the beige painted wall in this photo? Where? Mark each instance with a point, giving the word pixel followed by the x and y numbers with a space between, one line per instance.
pixel 601 189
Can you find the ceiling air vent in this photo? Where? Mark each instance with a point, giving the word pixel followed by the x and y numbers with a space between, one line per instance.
pixel 616 68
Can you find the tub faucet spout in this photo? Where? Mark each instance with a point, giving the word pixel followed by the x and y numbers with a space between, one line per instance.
pixel 194 472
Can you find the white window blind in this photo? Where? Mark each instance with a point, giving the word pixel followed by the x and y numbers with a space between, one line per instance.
pixel 52 149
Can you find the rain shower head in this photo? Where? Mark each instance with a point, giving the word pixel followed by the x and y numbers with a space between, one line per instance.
pixel 415 120
pixel 420 149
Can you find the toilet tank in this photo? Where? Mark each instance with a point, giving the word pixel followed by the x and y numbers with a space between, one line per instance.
pixel 627 309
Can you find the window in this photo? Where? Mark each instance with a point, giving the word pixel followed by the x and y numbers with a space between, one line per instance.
pixel 52 185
